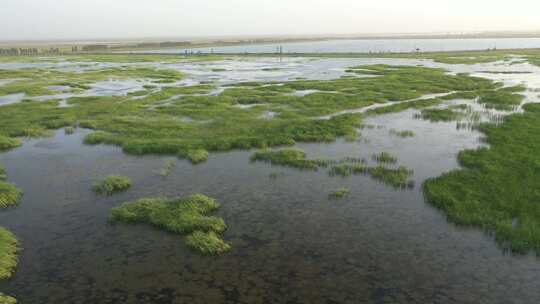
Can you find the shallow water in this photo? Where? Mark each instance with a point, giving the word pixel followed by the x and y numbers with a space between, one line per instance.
pixel 367 46
pixel 291 244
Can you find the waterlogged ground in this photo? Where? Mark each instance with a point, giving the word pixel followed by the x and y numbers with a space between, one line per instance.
pixel 290 242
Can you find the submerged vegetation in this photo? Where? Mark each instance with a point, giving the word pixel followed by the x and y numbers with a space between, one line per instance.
pixel 188 216
pixel 402 134
pixel 112 184
pixel 296 158
pixel 497 188
pixel 340 193
pixel 167 168
pixel 438 115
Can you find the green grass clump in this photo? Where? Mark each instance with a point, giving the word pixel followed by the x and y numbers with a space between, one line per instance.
pixel 183 216
pixel 7 143
pixel 397 178
pixel 385 158
pixel 208 243
pixel 69 130
pixel 345 169
pixel 402 134
pixel 10 195
pixel 295 158
pixel 497 190
pixel 5 299
pixel 168 166
pixel 196 156
pixel 438 115
pixel 112 184
pixel 340 193
pixel 399 107
pixel 9 246
pixel 503 99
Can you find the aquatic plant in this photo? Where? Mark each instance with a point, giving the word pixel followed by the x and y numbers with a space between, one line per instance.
pixel 196 156
pixel 5 299
pixel 340 193
pixel 184 216
pixel 7 143
pixel 9 246
pixel 402 134
pixel 385 157
pixel 439 115
pixel 69 130
pixel 496 190
pixel 168 166
pixel 397 178
pixel 503 99
pixel 208 243
pixel 112 184
pixel 295 158
pixel 10 195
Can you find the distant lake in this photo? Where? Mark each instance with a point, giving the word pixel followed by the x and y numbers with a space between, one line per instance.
pixel 368 45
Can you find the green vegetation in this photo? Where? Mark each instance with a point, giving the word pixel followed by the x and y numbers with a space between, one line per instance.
pixel 184 216
pixel 340 193
pixel 503 99
pixel 9 246
pixel 397 178
pixel 168 166
pixel 295 158
pixel 402 134
pixel 69 130
pixel 385 158
pixel 10 195
pixel 163 123
pixel 438 115
pixel 208 243
pixel 7 143
pixel 497 189
pixel 5 299
pixel 196 156
pixel 112 184
pixel 402 106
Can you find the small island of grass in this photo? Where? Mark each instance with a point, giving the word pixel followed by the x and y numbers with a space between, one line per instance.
pixel 188 216
pixel 112 184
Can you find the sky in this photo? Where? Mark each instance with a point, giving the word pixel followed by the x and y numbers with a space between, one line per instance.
pixel 92 19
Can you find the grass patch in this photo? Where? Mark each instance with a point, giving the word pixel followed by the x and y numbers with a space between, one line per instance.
pixel 402 134
pixel 295 158
pixel 397 178
pixel 439 115
pixel 9 246
pixel 10 195
pixel 8 143
pixel 183 216
pixel 196 156
pixel 112 184
pixel 158 123
pixel 496 190
pixel 69 130
pixel 340 193
pixel 167 168
pixel 385 158
pixel 5 299
pixel 208 243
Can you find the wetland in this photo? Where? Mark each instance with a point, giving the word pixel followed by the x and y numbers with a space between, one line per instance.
pixel 352 178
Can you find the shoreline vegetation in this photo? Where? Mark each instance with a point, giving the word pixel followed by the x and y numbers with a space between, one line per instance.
pixel 496 188
pixel 10 196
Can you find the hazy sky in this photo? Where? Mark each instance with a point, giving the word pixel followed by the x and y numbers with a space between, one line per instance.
pixel 68 19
